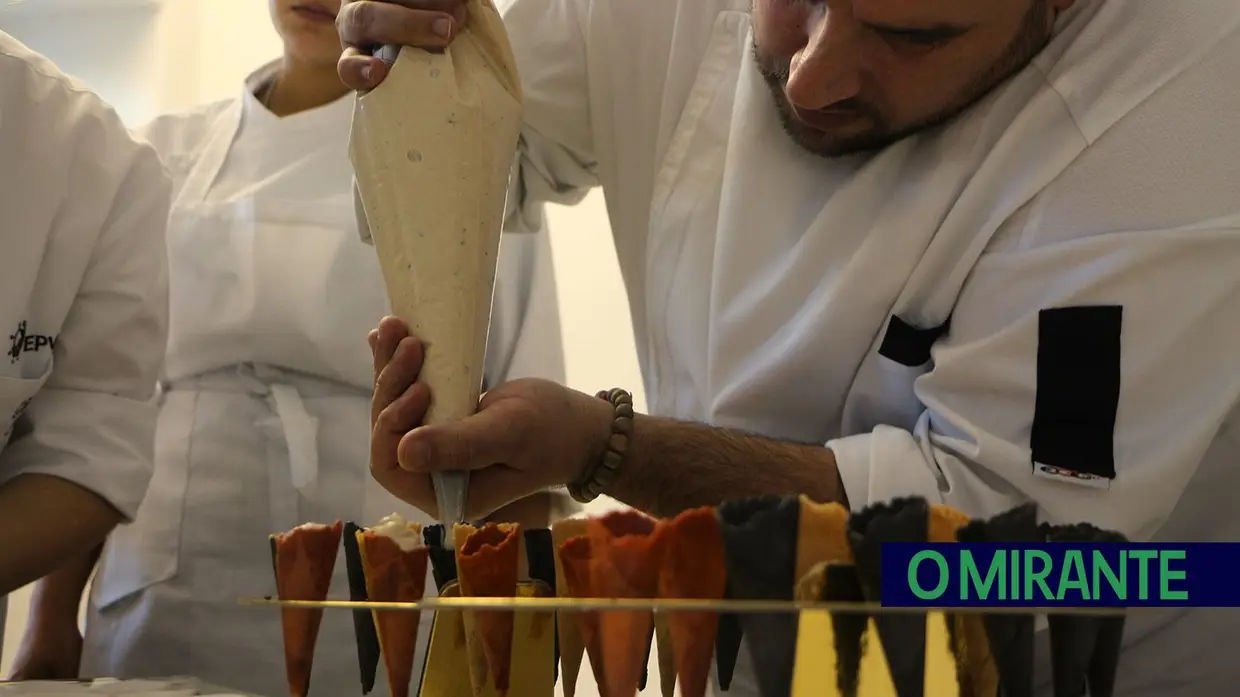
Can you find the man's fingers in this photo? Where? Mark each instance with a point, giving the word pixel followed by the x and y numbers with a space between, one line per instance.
pixel 360 71
pixel 383 342
pixel 400 374
pixel 402 415
pixel 429 24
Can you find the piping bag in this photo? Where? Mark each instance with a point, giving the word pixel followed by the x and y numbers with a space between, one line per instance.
pixel 432 148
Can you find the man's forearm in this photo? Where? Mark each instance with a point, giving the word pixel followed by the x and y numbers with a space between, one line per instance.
pixel 57 597
pixel 45 522
pixel 672 466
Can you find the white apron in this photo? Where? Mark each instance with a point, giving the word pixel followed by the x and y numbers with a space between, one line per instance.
pixel 246 448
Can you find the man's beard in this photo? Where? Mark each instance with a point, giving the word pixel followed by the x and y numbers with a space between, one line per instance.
pixel 1030 39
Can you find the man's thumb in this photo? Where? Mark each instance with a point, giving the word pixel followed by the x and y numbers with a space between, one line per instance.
pixel 467 444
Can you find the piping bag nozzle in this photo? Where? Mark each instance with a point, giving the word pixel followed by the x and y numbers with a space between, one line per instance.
pixel 451 490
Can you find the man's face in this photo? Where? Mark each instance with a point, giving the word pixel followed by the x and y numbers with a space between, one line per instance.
pixel 308 28
pixel 852 76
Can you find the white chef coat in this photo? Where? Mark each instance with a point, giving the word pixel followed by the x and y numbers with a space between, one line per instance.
pixel 84 283
pixel 1079 227
pixel 266 406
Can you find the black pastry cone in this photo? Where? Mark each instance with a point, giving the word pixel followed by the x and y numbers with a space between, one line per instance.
pixel 841 585
pixel 760 548
pixel 641 685
pixel 443 559
pixel 1010 636
pixel 1084 648
pixel 540 558
pixel 727 645
pixel 903 636
pixel 432 535
pixel 363 620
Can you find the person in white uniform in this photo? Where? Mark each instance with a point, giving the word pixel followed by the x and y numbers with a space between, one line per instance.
pixel 85 310
pixel 985 252
pixel 266 393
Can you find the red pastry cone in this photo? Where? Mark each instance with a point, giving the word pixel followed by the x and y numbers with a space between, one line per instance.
pixel 488 562
pixel 575 555
pixel 627 550
pixel 394 560
pixel 304 560
pixel 693 568
pixel 568 625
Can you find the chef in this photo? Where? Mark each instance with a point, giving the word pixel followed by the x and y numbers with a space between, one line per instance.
pixel 84 283
pixel 266 392
pixel 981 251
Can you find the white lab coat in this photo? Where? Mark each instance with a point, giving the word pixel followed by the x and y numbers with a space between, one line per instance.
pixel 766 283
pixel 84 283
pixel 265 415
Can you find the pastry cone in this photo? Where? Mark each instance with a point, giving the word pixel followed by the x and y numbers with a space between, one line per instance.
pixel 1084 648
pixel 442 557
pixel 825 572
pixel 625 561
pixel 667 656
pixel 975 667
pixel 693 567
pixel 728 645
pixel 760 546
pixel 304 559
pixel 540 565
pixel 1008 637
pixel 903 636
pixel 837 582
pixel 488 561
pixel 364 631
pixel 394 557
pixel 822 536
pixel 570 646
pixel 575 554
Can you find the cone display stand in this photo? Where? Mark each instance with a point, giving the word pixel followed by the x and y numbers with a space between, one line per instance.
pixel 833 638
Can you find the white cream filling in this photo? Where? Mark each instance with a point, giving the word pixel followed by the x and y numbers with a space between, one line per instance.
pixel 406 535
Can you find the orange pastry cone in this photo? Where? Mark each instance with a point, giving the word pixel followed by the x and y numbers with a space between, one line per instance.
pixel 394 559
pixel 574 555
pixel 693 568
pixel 488 561
pixel 627 556
pixel 304 559
pixel 975 669
pixel 568 625
pixel 822 536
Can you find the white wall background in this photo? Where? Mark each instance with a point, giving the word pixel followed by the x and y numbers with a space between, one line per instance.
pixel 151 56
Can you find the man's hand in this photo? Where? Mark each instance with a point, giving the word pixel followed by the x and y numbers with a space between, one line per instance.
pixel 367 24
pixel 528 435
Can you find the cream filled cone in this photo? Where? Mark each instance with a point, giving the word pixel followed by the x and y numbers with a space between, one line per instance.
pixel 432 148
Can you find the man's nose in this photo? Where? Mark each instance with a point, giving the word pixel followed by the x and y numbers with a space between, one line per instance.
pixel 825 71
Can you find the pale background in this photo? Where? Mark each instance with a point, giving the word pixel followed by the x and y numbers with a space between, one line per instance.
pixel 150 56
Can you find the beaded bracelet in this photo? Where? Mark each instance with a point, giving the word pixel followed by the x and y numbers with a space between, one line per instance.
pixel 602 473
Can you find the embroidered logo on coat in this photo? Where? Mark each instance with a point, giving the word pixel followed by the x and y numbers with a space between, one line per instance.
pixel 22 341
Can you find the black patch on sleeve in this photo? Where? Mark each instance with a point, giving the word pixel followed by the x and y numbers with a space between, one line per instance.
pixel 1078 383
pixel 908 345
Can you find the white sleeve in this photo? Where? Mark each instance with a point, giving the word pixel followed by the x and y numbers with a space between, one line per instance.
pixel 93 422
pixel 525 340
pixel 1090 377
pixel 555 159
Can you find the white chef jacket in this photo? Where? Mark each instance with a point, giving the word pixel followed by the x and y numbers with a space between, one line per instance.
pixel 1079 227
pixel 84 283
pixel 264 421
